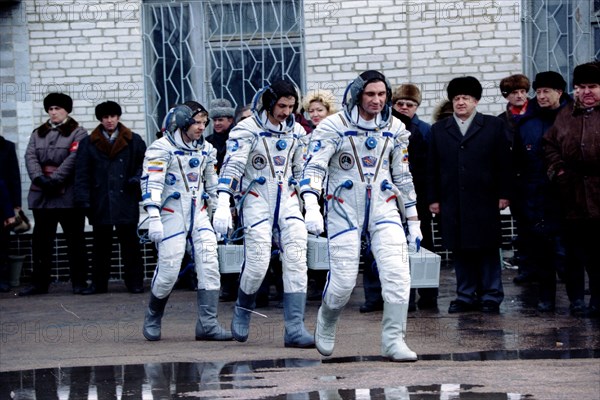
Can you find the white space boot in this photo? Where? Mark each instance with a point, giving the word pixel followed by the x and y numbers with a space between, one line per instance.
pixel 325 330
pixel 393 331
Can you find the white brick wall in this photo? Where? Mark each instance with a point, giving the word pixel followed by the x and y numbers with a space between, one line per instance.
pixel 424 42
pixel 80 47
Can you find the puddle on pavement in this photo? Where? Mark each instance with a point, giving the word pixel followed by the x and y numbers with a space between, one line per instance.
pixel 221 380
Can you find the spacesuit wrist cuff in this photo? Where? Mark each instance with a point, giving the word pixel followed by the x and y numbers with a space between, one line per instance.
pixel 153 212
pixel 412 212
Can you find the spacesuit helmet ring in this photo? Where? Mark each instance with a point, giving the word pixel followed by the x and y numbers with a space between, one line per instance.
pixel 353 94
pixel 266 98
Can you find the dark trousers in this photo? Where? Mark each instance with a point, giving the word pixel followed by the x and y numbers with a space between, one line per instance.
pixel 581 241
pixel 130 254
pixel 4 261
pixel 72 221
pixel 542 250
pixel 478 275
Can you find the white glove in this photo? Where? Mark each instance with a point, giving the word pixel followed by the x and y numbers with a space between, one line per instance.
pixel 312 217
pixel 222 215
pixel 155 226
pixel 414 235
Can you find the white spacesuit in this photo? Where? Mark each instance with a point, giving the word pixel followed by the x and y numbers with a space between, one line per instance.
pixel 363 167
pixel 262 153
pixel 179 183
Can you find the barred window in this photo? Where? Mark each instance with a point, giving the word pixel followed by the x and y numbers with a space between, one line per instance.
pixel 201 50
pixel 559 35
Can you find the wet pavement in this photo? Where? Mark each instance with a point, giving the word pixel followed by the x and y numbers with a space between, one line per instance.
pixel 62 346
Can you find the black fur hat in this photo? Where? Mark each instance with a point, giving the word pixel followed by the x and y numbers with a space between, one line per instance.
pixel 587 73
pixel 466 85
pixel 60 100
pixel 549 79
pixel 107 108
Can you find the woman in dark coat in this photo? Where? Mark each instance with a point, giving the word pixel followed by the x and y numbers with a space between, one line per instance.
pixel 468 178
pixel 107 184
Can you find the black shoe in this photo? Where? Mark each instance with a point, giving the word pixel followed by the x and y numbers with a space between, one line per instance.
pixel 546 306
pixel 368 307
pixel 523 278
pixel 227 296
pixel 427 303
pixel 33 290
pixel 459 306
pixel 593 311
pixel 79 289
pixel 490 307
pixel 136 290
pixel 4 287
pixel 92 289
pixel 262 301
pixel 578 308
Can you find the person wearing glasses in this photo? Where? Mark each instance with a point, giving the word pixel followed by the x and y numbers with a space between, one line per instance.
pixel 407 99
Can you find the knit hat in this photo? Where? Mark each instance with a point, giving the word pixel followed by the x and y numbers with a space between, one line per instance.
pixel 59 100
pixel 407 91
pixel 221 108
pixel 466 85
pixel 107 108
pixel 587 73
pixel 514 82
pixel 549 79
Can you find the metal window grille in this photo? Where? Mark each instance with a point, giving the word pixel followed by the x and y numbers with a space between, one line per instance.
pixel 559 35
pixel 202 50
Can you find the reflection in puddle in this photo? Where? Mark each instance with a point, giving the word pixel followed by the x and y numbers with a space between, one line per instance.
pixel 240 380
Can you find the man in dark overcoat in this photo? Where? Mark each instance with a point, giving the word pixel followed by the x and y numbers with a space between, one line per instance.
pixel 107 184
pixel 468 180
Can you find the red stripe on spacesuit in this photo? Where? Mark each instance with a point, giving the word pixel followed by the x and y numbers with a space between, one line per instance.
pixel 390 198
pixel 251 192
pixel 339 199
pixel 168 209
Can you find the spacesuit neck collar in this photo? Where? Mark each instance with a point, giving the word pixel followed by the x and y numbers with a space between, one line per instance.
pixel 275 128
pixel 179 142
pixel 364 124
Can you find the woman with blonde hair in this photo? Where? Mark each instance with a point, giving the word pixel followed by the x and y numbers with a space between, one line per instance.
pixel 319 104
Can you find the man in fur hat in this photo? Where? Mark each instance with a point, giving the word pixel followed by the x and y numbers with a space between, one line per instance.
pixel 514 89
pixel 572 154
pixel 107 182
pixel 222 114
pixel 50 161
pixel 468 182
pixel 535 205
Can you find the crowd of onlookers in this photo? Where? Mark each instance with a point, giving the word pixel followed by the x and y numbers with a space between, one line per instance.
pixel 541 155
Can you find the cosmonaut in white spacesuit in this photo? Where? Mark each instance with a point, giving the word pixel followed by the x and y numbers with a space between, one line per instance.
pixel 179 183
pixel 359 156
pixel 261 163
